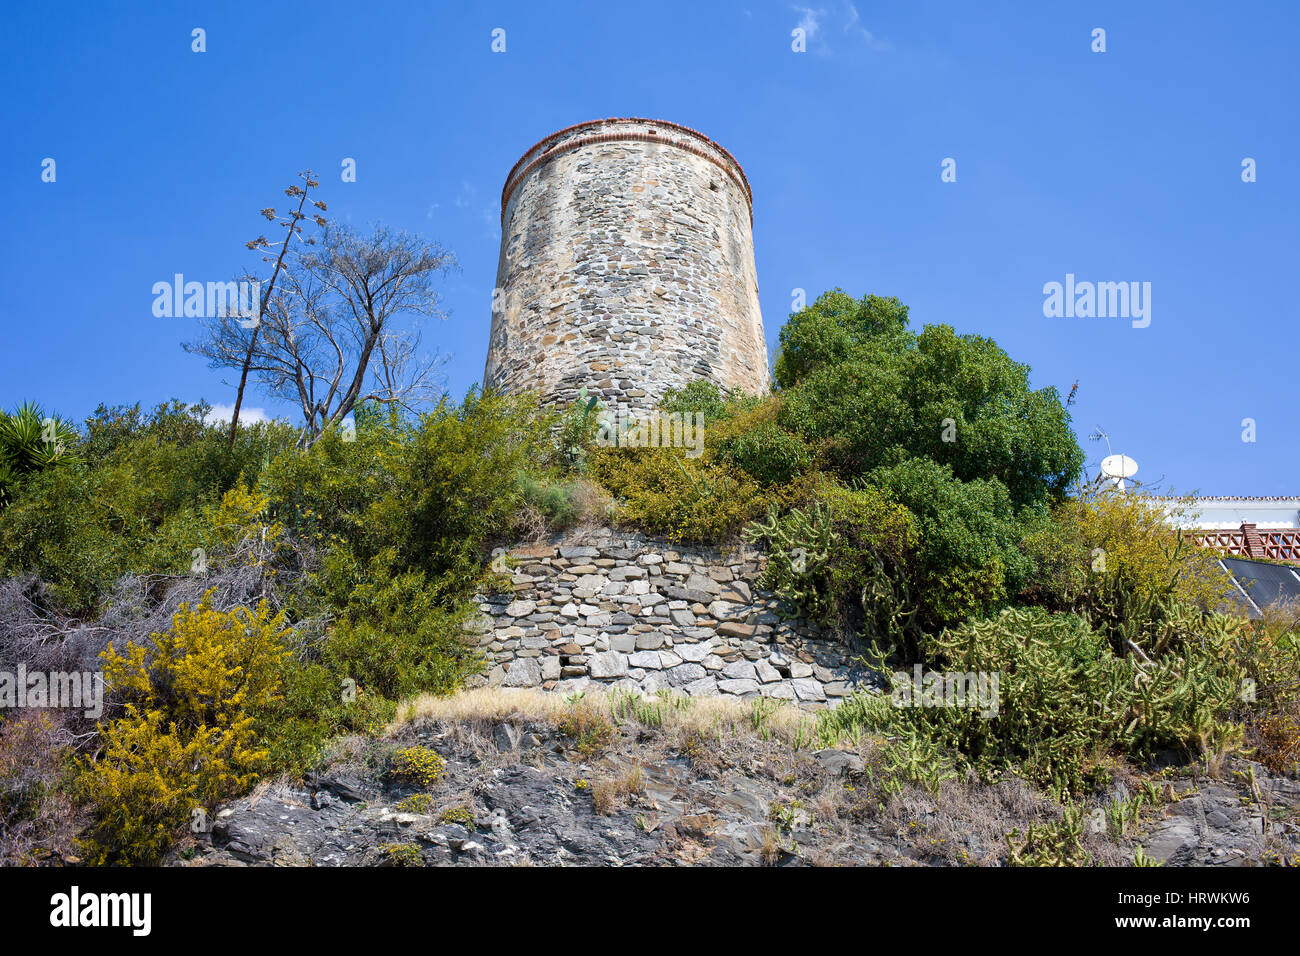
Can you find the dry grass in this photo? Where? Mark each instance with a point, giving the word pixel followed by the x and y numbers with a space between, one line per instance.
pixel 770 851
pixel 37 818
pixel 611 793
pixel 679 716
pixel 595 506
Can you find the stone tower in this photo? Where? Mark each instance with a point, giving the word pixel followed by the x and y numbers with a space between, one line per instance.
pixel 627 267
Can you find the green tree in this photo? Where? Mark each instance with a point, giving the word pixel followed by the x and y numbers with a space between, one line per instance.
pixel 871 393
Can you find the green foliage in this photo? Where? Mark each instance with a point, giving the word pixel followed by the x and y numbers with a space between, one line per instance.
pixel 834 329
pixel 451 487
pixel 135 502
pixel 394 638
pixel 703 396
pixel 912 550
pixel 30 441
pixel 766 452
pixel 577 430
pixel 662 491
pixel 1058 843
pixel 845 562
pixel 870 393
pixel 324 495
pixel 555 500
pixel 317 706
pixel 970 556
pixel 1106 552
pixel 1064 697
pixel 57 528
pixel 909 759
pixel 186 739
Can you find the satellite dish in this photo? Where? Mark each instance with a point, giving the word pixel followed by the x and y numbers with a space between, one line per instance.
pixel 1118 467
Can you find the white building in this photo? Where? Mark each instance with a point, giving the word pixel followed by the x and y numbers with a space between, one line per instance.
pixel 1221 513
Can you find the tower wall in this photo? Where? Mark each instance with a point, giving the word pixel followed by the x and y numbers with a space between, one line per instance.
pixel 627 267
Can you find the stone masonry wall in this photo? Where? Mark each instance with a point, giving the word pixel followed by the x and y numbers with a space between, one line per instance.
pixel 626 267
pixel 618 610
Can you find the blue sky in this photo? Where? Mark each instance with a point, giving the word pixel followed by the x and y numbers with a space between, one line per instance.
pixel 1115 166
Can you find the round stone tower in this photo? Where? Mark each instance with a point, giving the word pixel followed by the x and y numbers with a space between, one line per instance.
pixel 627 267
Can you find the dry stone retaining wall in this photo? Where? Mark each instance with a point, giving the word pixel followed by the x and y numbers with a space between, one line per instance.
pixel 618 610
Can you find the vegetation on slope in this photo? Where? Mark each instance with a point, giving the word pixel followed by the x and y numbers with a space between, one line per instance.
pixel 250 602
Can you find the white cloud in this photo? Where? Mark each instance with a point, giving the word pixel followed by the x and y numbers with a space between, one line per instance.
pixel 247 416
pixel 854 26
pixel 855 23
pixel 809 20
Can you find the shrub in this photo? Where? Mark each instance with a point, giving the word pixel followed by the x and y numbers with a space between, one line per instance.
pixel 402 854
pixel 395 639
pixel 323 495
pixel 452 487
pixel 58 529
pixel 241 520
pixel 1058 843
pixel 1064 698
pixel 576 430
pixel 869 393
pixel 416 766
pixel 766 452
pixel 1102 539
pixel 317 706
pixel 186 739
pixel 970 556
pixel 663 492
pixel 555 501
pixel 703 396
pixel 418 803
pixel 29 442
pixel 134 503
pixel 832 330
pixel 913 550
pixel 552 504
pixel 846 562
pixel 461 816
pixel 1270 655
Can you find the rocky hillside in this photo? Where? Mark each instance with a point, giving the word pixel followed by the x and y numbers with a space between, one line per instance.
pixel 509 777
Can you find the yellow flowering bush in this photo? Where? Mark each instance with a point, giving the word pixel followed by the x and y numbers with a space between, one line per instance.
pixel 186 739
pixel 417 765
pixel 242 519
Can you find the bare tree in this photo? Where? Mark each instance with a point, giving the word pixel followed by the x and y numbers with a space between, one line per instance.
pixel 292 230
pixel 342 326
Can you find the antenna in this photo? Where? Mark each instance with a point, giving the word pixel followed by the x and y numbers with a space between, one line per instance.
pixel 1098 435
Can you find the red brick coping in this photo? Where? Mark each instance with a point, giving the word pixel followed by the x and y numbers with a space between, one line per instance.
pixel 731 167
